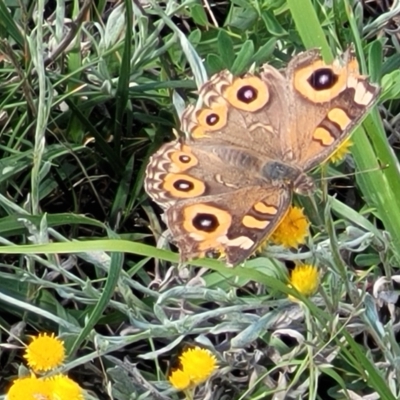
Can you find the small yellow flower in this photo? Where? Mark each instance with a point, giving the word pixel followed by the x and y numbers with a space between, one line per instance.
pixel 293 229
pixel 30 388
pixel 305 279
pixel 341 152
pixel 196 366
pixel 64 388
pixel 198 363
pixel 45 352
pixel 179 380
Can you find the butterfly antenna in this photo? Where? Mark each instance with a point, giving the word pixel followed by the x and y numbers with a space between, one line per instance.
pixel 328 178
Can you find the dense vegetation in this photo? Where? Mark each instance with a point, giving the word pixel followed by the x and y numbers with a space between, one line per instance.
pixel 89 90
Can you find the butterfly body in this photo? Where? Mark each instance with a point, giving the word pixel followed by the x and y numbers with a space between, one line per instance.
pixel 250 144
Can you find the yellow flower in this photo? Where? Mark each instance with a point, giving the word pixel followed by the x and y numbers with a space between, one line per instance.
pixel 45 352
pixel 305 279
pixel 293 229
pixel 341 152
pixel 196 366
pixel 198 363
pixel 30 388
pixel 179 380
pixel 64 388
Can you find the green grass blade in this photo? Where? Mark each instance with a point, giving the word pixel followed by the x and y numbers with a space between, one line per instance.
pixel 9 26
pixel 122 93
pixel 309 27
pixel 117 260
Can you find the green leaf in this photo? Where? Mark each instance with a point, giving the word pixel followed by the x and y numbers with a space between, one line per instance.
pixel 225 49
pixel 9 26
pixel 375 61
pixel 356 353
pixel 106 295
pixel 391 64
pixel 391 86
pixel 265 51
pixel 367 260
pixel 272 24
pixel 214 64
pixel 309 27
pixel 243 59
pixel 242 18
pixel 198 14
pixel 122 93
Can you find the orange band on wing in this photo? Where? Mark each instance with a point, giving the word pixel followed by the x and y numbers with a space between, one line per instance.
pixel 340 117
pixel 251 222
pixel 265 209
pixel 323 136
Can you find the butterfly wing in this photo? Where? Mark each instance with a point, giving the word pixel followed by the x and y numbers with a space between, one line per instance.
pixel 297 116
pixel 212 207
pixel 205 225
pixel 247 112
pixel 326 101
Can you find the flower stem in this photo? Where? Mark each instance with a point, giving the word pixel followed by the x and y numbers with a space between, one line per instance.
pixel 189 394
